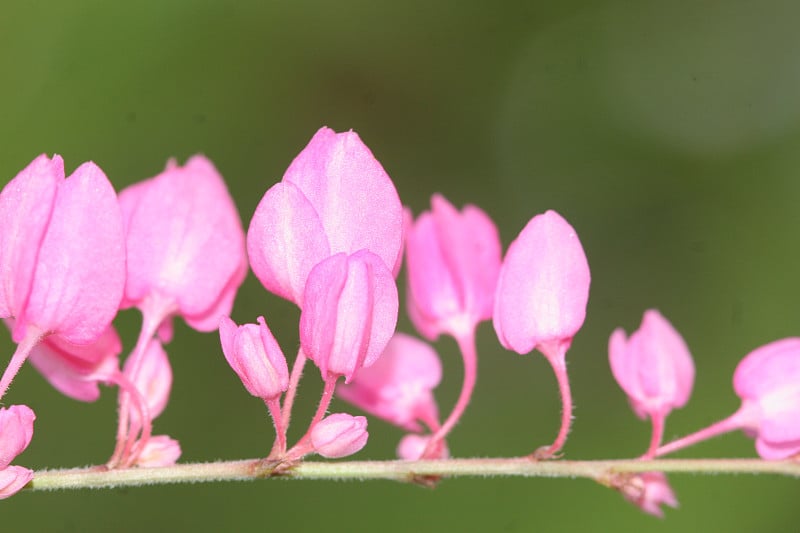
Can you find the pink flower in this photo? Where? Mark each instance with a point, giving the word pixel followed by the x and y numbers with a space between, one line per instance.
pixel 256 357
pixel 653 366
pixel 335 197
pixel 16 431
pixel 453 262
pixel 349 313
pixel 648 491
pixel 541 300
pixel 185 245
pixel 399 386
pixel 62 255
pixel 768 381
pixel 339 435
pixel 543 287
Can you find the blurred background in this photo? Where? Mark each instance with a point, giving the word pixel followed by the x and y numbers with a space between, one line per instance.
pixel 666 133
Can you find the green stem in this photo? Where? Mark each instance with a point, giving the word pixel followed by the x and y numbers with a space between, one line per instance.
pixel 99 477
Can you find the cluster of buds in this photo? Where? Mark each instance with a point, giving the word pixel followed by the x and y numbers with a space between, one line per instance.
pixel 330 237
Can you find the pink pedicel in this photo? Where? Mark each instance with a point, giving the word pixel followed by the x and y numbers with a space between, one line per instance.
pixel 185 245
pixel 412 447
pixel 62 256
pixel 255 356
pixel 768 382
pixel 648 491
pixel 399 386
pixel 160 450
pixel 16 431
pixel 339 435
pixel 541 300
pixel 453 260
pixel 654 368
pixel 335 197
pixel 349 313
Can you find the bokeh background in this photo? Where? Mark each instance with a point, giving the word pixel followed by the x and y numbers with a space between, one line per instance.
pixel 667 133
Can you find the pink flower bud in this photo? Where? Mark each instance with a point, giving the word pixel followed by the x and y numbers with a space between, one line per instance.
pixel 768 381
pixel 648 491
pixel 453 262
pixel 13 479
pixel 412 446
pixel 160 450
pixel 335 197
pixel 543 287
pixel 154 380
pixel 399 386
pixel 339 435
pixel 255 356
pixel 185 244
pixel 62 252
pixel 653 366
pixel 349 313
pixel 16 431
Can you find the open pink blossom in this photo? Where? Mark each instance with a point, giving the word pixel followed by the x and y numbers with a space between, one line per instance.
pixel 335 197
pixel 16 431
pixel 541 299
pixel 339 435
pixel 256 357
pixel 349 313
pixel 654 368
pixel 399 386
pixel 453 261
pixel 185 245
pixel 62 255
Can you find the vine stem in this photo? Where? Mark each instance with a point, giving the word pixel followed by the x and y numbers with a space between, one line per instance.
pixel 250 469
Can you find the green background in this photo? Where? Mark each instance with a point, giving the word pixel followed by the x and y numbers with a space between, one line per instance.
pixel 666 133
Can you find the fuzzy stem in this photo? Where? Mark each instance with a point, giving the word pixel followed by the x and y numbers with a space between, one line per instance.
pixel 559 364
pixel 279 447
pixel 731 423
pixel 291 392
pixel 466 343
pixel 303 446
pixel 32 337
pixel 99 477
pixel 657 435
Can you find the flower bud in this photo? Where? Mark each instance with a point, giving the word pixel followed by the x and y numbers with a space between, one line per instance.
pixel 256 357
pixel 339 435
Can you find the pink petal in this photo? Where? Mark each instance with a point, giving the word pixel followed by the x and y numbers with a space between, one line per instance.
pixel 69 367
pixel 16 431
pixel 80 271
pixel 159 451
pixel 354 197
pixel 285 240
pixel 349 312
pixel 411 448
pixel 26 203
pixel 398 387
pixel 185 242
pixel 154 380
pixel 543 286
pixel 13 479
pixel 256 357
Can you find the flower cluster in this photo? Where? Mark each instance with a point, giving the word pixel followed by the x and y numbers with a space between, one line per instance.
pixel 330 237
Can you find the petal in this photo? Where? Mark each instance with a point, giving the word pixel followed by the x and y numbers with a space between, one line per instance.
pixel 543 286
pixel 80 270
pixel 154 378
pixel 16 432
pixel 285 240
pixel 13 479
pixel 354 197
